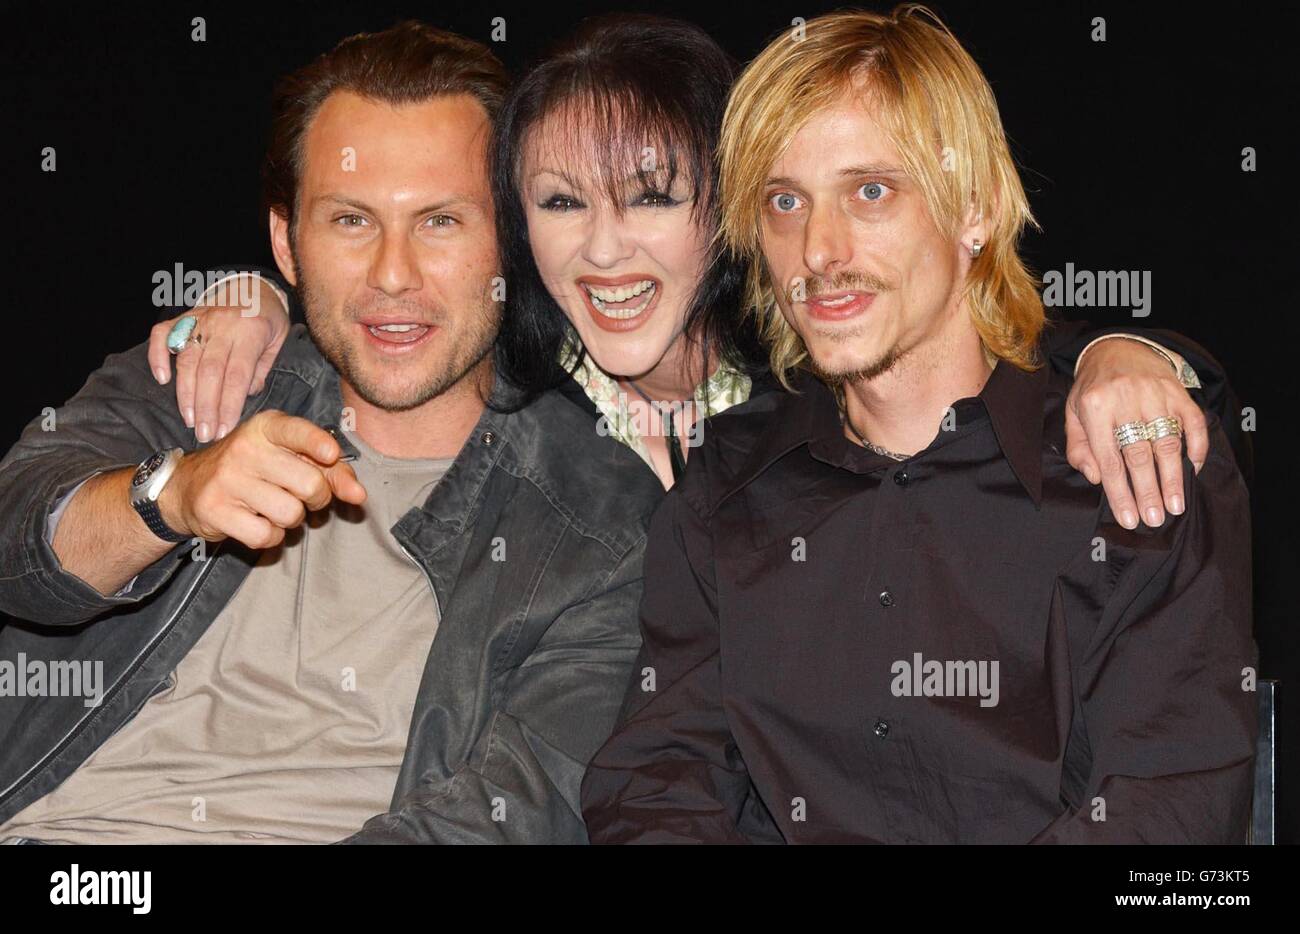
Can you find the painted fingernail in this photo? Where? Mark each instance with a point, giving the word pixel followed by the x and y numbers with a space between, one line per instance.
pixel 1153 517
pixel 1129 519
pixel 160 375
pixel 204 432
pixel 221 431
pixel 1176 505
pixel 189 418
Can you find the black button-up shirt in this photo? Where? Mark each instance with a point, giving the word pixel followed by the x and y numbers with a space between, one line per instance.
pixel 961 647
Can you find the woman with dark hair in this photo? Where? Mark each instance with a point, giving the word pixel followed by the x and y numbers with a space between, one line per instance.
pixel 607 206
pixel 607 201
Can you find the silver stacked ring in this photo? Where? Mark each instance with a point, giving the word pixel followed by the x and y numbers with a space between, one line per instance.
pixel 1163 427
pixel 1131 433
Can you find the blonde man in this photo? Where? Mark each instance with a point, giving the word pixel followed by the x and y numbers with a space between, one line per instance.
pixel 884 607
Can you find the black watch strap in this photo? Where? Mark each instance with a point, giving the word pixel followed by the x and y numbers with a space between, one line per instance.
pixel 148 511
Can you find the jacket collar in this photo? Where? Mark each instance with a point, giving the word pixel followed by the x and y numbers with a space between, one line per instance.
pixel 1013 398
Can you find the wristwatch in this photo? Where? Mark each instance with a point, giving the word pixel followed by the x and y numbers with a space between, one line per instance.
pixel 147 485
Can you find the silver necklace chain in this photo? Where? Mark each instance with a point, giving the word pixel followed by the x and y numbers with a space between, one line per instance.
pixel 884 452
pixel 870 445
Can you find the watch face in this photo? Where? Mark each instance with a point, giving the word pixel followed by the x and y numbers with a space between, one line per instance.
pixel 145 470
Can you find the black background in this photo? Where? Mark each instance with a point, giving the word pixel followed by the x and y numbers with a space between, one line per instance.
pixel 1131 150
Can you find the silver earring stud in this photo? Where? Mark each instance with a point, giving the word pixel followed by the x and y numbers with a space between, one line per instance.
pixel 975 249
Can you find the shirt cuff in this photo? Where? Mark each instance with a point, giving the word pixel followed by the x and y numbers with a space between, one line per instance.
pixel 1182 369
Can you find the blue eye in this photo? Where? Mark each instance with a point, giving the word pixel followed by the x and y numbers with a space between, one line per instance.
pixel 873 191
pixel 784 202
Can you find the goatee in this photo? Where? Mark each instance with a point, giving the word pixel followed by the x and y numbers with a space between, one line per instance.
pixel 836 379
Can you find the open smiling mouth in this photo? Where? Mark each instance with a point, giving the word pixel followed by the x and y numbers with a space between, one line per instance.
pixel 399 333
pixel 397 336
pixel 620 303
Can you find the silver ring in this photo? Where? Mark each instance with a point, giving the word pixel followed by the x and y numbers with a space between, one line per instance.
pixel 1131 433
pixel 1163 427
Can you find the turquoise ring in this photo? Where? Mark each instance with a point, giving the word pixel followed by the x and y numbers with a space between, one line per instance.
pixel 182 333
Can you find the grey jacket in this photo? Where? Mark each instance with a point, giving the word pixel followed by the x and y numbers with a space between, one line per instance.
pixel 531 658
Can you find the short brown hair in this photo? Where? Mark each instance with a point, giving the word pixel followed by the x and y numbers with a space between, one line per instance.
pixel 406 64
pixel 940 111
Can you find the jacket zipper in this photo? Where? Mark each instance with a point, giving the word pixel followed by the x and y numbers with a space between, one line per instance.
pixel 21 782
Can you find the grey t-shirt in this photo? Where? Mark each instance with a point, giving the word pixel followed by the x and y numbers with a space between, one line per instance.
pixel 287 722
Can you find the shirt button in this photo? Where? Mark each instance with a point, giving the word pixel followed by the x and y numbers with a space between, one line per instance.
pixel 487 438
pixel 901 478
pixel 881 729
pixel 886 598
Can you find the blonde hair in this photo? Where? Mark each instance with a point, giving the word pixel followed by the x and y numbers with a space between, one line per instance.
pixel 939 111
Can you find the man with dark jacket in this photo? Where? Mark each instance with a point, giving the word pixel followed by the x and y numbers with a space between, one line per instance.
pixel 390 605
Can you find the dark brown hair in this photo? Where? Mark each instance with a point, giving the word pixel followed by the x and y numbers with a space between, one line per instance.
pixel 406 64
pixel 621 82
